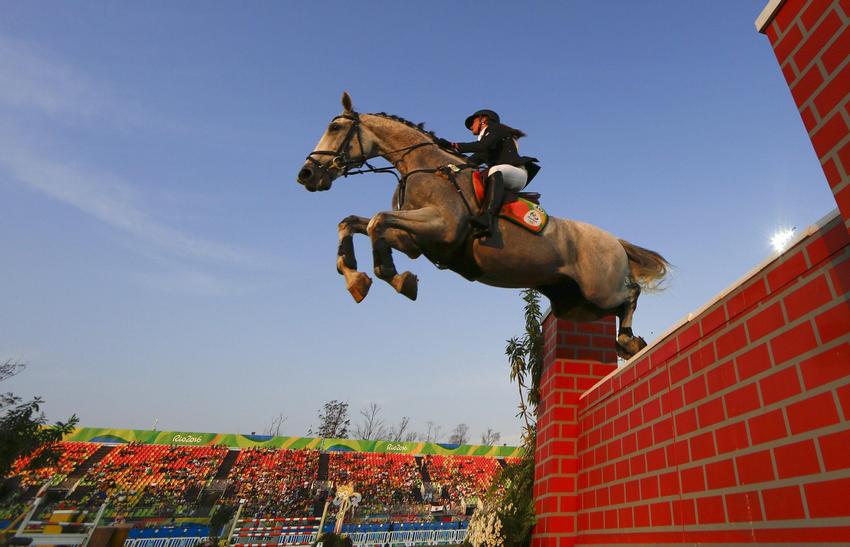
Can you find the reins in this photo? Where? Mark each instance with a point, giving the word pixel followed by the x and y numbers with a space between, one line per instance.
pixel 343 164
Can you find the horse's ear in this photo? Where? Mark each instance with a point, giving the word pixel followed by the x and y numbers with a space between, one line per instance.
pixel 346 101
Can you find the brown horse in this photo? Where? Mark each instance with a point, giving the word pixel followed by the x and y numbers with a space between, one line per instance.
pixel 585 272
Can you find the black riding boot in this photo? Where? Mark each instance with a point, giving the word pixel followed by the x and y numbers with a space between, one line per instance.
pixel 484 224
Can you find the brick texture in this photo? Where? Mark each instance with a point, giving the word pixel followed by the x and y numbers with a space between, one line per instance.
pixel 576 356
pixel 811 41
pixel 735 427
pixel 742 418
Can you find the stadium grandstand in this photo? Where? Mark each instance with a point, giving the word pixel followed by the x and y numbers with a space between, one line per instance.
pixel 160 489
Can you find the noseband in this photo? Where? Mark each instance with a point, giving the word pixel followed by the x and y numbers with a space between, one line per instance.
pixel 341 163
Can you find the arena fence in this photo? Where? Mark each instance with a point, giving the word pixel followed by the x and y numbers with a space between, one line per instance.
pixel 164 542
pixel 406 538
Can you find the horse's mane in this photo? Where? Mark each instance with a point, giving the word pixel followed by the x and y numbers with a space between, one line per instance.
pixel 419 127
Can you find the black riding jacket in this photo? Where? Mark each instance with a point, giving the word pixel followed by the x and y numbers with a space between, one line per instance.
pixel 496 147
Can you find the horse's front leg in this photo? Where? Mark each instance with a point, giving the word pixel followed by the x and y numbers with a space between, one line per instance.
pixel 358 283
pixel 405 231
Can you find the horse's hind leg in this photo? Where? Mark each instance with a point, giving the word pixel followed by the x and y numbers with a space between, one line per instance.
pixel 627 343
pixel 358 283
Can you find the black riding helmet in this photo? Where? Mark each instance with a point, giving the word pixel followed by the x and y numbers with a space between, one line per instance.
pixel 492 116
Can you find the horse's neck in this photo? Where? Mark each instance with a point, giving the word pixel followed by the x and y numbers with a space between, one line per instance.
pixel 423 189
pixel 393 135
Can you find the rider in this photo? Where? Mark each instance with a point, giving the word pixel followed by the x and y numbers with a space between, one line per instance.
pixel 497 147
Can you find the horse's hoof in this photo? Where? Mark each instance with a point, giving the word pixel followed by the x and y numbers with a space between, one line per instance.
pixel 358 286
pixel 628 346
pixel 406 284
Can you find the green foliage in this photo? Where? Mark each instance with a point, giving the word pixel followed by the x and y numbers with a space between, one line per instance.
pixel 24 429
pixel 507 517
pixel 518 483
pixel 333 421
pixel 525 356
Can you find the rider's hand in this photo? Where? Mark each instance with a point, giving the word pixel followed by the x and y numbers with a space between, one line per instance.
pixel 444 143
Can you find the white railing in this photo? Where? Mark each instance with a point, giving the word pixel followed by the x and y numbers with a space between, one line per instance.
pixel 163 542
pixel 408 538
pixel 307 538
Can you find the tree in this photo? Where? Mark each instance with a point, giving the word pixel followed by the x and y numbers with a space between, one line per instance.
pixel 372 427
pixel 525 355
pixel 333 421
pixel 432 433
pixel 276 424
pixel 10 368
pixel 490 437
pixel 509 504
pixel 400 433
pixel 460 435
pixel 24 429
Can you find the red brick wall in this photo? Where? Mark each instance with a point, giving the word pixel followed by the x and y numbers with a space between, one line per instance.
pixel 575 357
pixel 811 39
pixel 734 427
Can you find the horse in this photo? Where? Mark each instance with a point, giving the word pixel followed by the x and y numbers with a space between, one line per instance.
pixel 584 271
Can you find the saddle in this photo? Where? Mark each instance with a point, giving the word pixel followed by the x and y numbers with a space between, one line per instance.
pixel 521 208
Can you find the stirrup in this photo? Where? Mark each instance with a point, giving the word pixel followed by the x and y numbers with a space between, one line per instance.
pixel 481 233
pixel 482 226
pixel 480 221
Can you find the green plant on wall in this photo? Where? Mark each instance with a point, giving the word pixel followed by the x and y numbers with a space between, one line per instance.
pixel 507 514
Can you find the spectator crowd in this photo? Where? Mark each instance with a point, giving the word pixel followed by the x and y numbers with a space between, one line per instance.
pixel 146 480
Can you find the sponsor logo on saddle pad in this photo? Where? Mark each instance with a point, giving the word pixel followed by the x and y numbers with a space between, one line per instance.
pixel 532 218
pixel 526 214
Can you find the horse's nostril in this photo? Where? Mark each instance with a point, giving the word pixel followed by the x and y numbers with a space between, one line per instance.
pixel 305 174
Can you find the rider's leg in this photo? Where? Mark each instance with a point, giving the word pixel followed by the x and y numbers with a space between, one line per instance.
pixel 515 178
pixel 484 223
pixel 500 177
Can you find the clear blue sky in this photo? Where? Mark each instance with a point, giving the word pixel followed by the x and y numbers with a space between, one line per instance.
pixel 159 260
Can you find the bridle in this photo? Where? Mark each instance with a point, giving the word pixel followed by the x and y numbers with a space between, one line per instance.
pixel 341 165
pixel 341 162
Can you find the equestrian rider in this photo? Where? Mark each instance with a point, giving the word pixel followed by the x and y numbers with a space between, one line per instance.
pixel 497 147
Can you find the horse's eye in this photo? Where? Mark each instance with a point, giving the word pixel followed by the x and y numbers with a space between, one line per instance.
pixel 333 127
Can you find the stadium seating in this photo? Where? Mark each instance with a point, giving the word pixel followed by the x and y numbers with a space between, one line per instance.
pixel 71 456
pixel 149 480
pixel 145 481
pixel 462 476
pixel 384 481
pixel 273 482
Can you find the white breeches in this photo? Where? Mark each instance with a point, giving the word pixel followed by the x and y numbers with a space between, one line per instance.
pixel 514 178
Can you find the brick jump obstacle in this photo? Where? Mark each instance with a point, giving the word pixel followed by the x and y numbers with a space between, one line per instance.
pixel 734 427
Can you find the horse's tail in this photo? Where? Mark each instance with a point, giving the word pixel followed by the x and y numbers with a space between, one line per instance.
pixel 648 267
